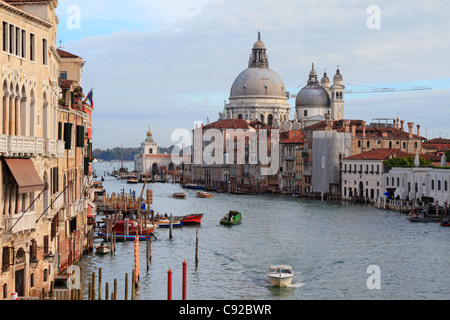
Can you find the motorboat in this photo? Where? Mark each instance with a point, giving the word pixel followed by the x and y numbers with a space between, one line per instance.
pixel 231 218
pixel 179 195
pixel 280 275
pixel 191 219
pixel 203 194
pixel 133 180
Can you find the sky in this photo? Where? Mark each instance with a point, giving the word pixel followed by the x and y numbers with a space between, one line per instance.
pixel 167 64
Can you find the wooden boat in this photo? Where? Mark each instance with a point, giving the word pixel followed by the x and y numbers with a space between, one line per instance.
pixel 122 237
pixel 191 219
pixel 280 275
pixel 132 180
pixel 103 249
pixel 203 194
pixel 414 217
pixel 445 223
pixel 179 195
pixel 165 223
pixel 128 229
pixel 231 218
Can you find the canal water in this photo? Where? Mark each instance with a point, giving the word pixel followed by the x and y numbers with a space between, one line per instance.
pixel 330 248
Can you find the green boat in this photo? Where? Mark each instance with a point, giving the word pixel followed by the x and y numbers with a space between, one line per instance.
pixel 231 218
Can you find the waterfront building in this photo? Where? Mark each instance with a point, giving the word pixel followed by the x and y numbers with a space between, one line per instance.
pixel 41 158
pixel 362 174
pixel 377 135
pixel 236 167
pixel 290 142
pixel 149 161
pixel 419 184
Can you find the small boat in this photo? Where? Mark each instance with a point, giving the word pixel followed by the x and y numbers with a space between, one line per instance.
pixel 179 195
pixel 103 249
pixel 203 194
pixel 122 237
pixel 231 218
pixel 98 187
pixel 280 275
pixel 165 223
pixel 132 180
pixel 192 186
pixel 445 223
pixel 191 219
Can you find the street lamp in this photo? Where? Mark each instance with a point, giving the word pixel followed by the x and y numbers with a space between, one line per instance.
pixel 50 257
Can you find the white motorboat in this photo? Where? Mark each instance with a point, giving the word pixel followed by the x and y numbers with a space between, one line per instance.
pixel 280 275
pixel 103 249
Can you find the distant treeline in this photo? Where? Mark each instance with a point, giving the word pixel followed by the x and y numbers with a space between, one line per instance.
pixel 128 153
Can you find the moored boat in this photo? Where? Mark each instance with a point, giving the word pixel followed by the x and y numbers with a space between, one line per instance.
pixel 179 195
pixel 280 275
pixel 165 223
pixel 445 223
pixel 191 219
pixel 102 249
pixel 203 194
pixel 192 186
pixel 231 218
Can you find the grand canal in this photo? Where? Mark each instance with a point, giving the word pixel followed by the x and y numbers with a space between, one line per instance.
pixel 330 248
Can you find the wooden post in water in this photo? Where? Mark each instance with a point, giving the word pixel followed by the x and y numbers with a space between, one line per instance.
pixel 196 248
pixel 169 284
pixel 100 284
pixel 115 289
pixel 126 286
pixel 170 226
pixel 93 286
pixel 107 291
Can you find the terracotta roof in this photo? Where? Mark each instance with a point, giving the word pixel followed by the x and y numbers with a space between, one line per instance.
pixel 437 141
pixel 371 132
pixel 293 136
pixel 228 124
pixel 19 1
pixel 380 154
pixel 65 54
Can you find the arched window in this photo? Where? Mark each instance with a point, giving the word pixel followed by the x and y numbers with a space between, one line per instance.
pixel 240 116
pixel 270 120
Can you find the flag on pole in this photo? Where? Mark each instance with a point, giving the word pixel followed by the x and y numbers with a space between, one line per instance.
pixel 90 97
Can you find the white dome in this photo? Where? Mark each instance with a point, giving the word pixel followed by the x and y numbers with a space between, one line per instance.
pixel 258 82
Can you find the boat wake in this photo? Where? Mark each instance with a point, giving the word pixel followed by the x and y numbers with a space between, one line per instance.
pixel 296 285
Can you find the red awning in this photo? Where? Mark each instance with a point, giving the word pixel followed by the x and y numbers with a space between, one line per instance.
pixel 25 175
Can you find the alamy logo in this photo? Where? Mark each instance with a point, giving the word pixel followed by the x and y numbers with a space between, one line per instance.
pixel 374 20
pixel 74 279
pixel 227 147
pixel 374 280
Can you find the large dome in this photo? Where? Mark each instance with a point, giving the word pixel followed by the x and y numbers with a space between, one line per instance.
pixel 258 82
pixel 313 95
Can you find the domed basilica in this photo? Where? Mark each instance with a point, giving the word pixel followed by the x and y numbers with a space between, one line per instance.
pixel 258 93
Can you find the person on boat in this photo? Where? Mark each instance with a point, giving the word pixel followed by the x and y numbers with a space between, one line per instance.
pixel 230 215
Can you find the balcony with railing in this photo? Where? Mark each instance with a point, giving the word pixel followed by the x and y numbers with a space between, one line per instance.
pixel 19 146
pixel 19 222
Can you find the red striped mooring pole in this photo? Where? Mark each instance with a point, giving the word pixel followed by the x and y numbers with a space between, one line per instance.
pixel 184 279
pixel 169 284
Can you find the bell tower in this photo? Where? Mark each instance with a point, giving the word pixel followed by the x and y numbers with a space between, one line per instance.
pixel 337 97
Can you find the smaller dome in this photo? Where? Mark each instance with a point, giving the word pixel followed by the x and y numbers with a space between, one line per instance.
pixel 259 45
pixel 313 95
pixel 337 77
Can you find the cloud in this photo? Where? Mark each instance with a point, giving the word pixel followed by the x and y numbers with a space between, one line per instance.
pixel 167 64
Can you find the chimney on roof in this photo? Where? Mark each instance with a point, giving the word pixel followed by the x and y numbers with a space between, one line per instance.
pixel 398 123
pixel 353 131
pixel 403 125
pixel 347 126
pixel 364 129
pixel 418 130
pixel 411 126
